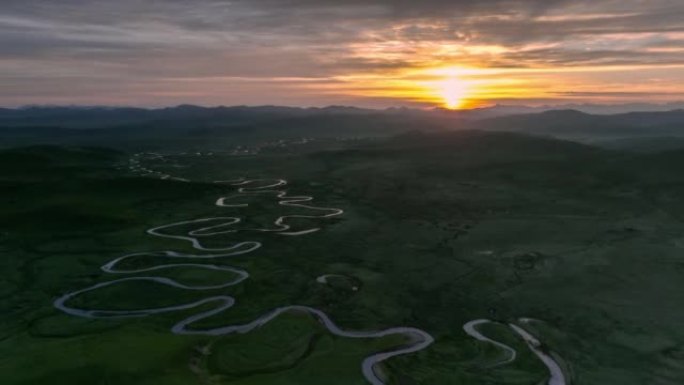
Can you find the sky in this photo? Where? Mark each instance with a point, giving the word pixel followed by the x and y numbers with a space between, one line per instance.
pixel 383 53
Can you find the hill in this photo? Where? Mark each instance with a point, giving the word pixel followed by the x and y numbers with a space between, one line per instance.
pixel 576 125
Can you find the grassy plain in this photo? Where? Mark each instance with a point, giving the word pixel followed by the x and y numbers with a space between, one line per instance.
pixel 438 230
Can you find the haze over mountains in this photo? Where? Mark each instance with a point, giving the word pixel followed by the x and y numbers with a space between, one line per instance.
pixel 35 113
pixel 203 126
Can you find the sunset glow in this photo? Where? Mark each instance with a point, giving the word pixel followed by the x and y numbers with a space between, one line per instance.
pixel 454 92
pixel 379 54
pixel 454 87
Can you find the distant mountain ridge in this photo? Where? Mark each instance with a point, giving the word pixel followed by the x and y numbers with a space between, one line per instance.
pixel 573 124
pixel 112 125
pixel 595 109
pixel 99 117
pixel 106 116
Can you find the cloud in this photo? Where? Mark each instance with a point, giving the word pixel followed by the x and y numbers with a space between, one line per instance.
pixel 150 42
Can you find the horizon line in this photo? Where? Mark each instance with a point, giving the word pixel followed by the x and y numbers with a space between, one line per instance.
pixel 343 106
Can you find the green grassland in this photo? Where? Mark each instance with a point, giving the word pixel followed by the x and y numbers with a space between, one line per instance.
pixel 439 229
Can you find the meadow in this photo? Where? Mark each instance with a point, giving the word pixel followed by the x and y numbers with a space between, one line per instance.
pixel 437 230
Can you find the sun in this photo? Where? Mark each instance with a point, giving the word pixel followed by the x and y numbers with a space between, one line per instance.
pixel 453 91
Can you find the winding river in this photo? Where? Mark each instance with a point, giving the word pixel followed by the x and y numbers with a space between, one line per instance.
pixel 222 225
pixel 208 227
pixel 556 375
pixel 471 329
